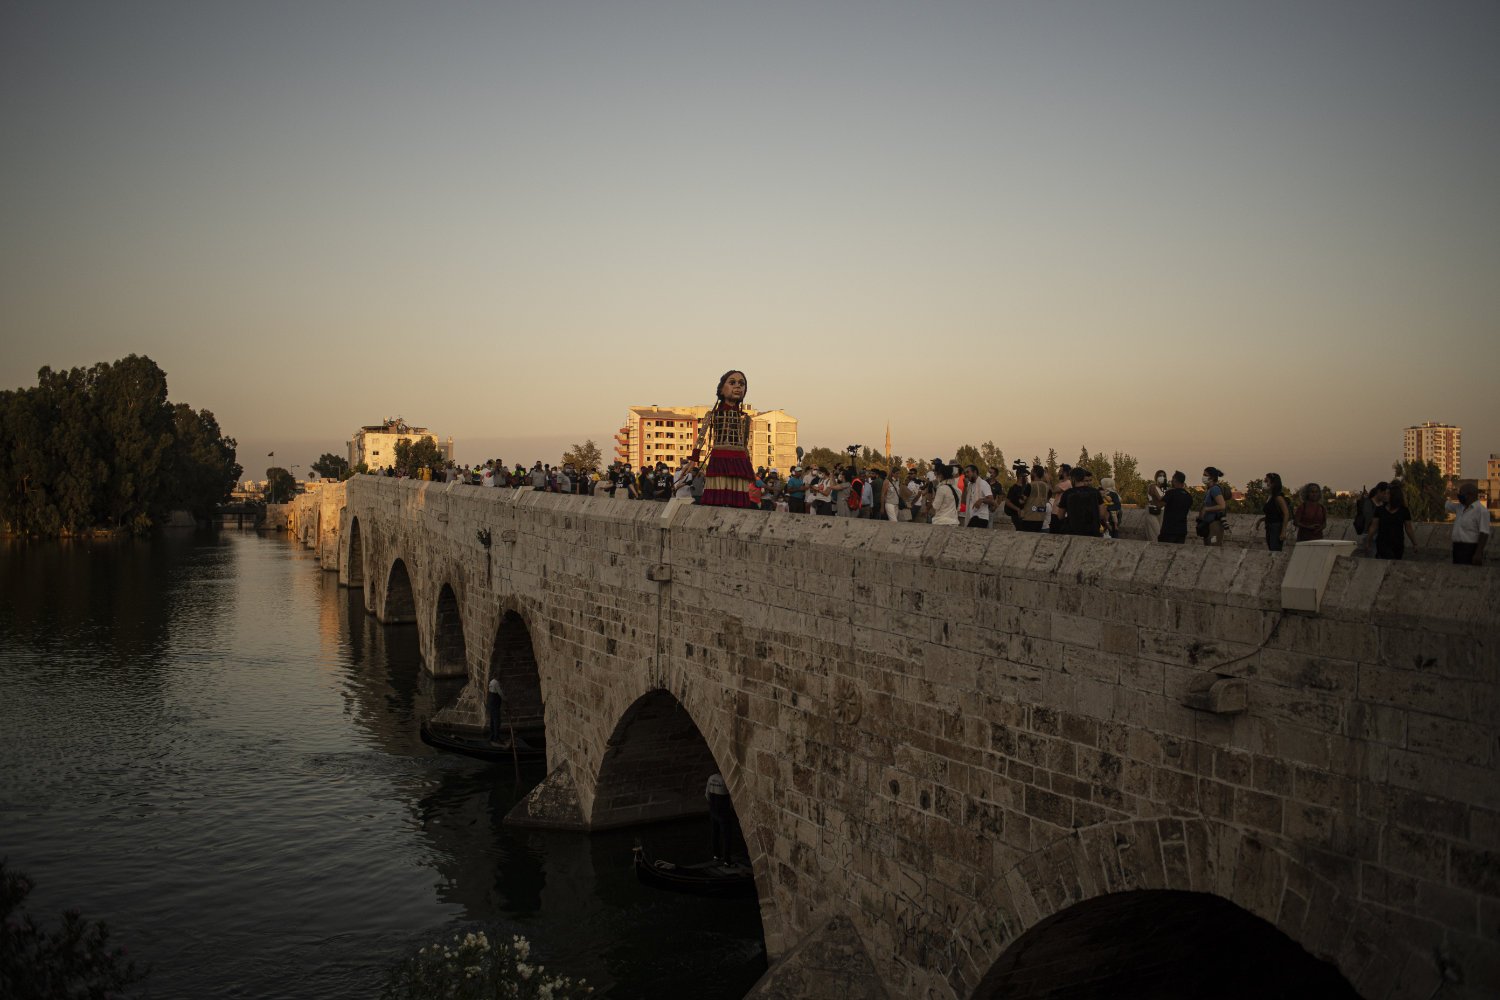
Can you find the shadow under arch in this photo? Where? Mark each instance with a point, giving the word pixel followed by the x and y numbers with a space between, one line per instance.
pixel 400 607
pixel 655 767
pixel 1188 856
pixel 449 656
pixel 356 560
pixel 1161 944
pixel 513 664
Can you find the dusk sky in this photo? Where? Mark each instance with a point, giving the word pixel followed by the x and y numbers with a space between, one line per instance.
pixel 1260 235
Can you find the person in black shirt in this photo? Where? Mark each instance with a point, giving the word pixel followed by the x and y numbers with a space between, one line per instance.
pixel 1177 503
pixel 1015 497
pixel 1276 513
pixel 1083 506
pixel 1392 518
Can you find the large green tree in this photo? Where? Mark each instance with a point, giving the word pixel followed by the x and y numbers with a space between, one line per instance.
pixel 281 485
pixel 101 447
pixel 583 457
pixel 1425 488
pixel 412 456
pixel 331 466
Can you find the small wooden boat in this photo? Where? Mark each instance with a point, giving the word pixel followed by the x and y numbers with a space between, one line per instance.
pixel 716 879
pixel 530 748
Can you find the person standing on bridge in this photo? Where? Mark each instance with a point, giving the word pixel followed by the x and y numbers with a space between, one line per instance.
pixel 724 436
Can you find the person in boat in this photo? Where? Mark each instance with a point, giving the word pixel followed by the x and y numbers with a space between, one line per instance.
pixel 493 703
pixel 723 824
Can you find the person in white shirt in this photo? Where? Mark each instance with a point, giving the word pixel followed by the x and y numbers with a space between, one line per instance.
pixel 979 498
pixel 1471 526
pixel 682 483
pixel 944 496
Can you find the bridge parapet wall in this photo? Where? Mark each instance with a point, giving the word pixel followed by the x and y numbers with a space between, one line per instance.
pixel 947 736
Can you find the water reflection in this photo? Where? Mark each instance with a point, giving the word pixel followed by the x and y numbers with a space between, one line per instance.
pixel 208 743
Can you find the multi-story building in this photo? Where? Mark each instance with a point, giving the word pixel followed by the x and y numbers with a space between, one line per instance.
pixel 374 445
pixel 654 434
pixel 1489 486
pixel 1437 443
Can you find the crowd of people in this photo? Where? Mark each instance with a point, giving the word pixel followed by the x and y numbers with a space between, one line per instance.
pixel 1067 502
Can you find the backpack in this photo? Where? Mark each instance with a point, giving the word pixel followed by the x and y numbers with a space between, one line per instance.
pixel 1361 518
pixel 856 492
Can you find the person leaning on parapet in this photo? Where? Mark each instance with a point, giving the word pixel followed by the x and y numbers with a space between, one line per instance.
pixel 1471 526
pixel 1113 505
pixel 1176 504
pixel 1034 513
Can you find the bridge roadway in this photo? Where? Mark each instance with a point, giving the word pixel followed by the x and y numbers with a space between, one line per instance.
pixel 963 760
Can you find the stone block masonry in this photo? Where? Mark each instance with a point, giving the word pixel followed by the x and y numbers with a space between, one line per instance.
pixel 938 739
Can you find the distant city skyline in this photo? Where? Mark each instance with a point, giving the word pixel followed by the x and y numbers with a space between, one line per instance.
pixel 1261 236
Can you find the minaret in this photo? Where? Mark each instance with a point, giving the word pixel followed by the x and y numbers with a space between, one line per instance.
pixel 887 439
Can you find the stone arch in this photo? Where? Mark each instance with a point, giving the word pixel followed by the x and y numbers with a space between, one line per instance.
pixel 1193 856
pixel 655 765
pixel 513 663
pixel 449 655
pixel 1158 943
pixel 400 605
pixel 355 562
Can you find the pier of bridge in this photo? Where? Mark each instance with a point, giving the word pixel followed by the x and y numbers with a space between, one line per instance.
pixel 962 757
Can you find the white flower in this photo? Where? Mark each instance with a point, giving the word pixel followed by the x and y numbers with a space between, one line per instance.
pixel 523 970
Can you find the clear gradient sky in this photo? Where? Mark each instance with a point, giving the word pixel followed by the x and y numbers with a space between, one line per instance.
pixel 1262 235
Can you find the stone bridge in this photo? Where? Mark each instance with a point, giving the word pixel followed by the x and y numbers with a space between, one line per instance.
pixel 974 764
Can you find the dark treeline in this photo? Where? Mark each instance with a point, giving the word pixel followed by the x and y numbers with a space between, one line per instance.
pixel 102 447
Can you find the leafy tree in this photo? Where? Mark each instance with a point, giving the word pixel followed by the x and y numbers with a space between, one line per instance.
pixel 73 960
pixel 584 456
pixel 331 466
pixel 1338 506
pixel 1256 495
pixel 1425 488
pixel 1128 480
pixel 826 457
pixel 102 447
pixel 871 458
pixel 203 470
pixel 412 456
pixel 967 454
pixel 992 457
pixel 1051 464
pixel 280 485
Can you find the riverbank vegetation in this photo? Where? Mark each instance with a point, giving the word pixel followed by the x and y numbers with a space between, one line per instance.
pixel 74 959
pixel 473 966
pixel 103 448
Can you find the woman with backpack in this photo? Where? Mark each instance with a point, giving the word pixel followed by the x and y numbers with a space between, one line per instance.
pixel 944 496
pixel 1215 506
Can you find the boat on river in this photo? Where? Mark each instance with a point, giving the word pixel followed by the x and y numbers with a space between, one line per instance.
pixel 716 879
pixel 523 748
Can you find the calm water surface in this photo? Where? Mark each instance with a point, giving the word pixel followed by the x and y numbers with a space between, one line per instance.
pixel 207 743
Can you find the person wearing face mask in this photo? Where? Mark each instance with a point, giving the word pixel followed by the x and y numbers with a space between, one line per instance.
pixel 1156 492
pixel 1215 505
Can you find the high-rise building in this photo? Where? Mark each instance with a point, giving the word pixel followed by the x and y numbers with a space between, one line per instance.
pixel 654 434
pixel 1437 443
pixel 375 444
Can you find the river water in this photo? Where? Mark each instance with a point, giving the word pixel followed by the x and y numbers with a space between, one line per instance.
pixel 205 742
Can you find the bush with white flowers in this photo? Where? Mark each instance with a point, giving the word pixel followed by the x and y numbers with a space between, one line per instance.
pixel 472 966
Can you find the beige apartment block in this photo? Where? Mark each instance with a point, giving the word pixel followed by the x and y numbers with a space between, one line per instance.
pixel 654 434
pixel 1435 442
pixel 375 444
